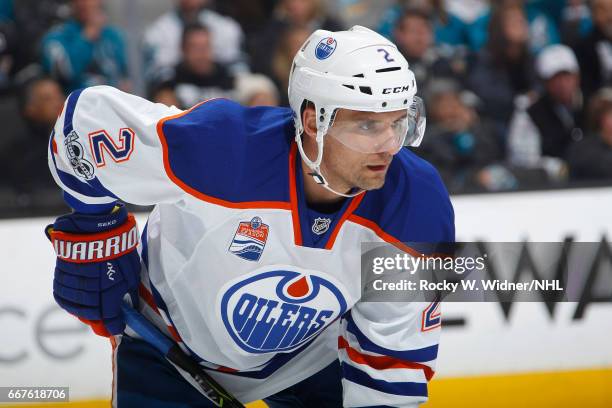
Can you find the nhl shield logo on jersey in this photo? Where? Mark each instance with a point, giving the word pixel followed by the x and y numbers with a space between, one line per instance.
pixel 250 239
pixel 321 225
pixel 279 310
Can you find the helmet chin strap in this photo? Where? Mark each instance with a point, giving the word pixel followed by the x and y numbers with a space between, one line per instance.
pixel 319 179
pixel 315 166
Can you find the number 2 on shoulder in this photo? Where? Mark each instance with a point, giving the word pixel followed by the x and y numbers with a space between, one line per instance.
pixel 101 144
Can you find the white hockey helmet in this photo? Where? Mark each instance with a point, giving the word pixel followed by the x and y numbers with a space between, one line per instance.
pixel 357 69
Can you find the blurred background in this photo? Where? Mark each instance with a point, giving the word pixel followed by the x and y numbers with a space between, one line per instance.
pixel 518 92
pixel 519 99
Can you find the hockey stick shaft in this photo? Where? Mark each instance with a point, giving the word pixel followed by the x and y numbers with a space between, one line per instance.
pixel 152 335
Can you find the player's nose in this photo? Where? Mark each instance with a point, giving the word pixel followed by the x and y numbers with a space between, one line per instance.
pixel 389 143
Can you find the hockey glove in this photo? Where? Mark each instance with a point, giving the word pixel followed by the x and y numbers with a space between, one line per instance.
pixel 97 264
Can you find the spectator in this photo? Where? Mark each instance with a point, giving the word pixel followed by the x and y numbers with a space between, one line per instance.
pixel 504 68
pixel 292 39
pixel 462 146
pixel 163 38
pixel 8 50
pixel 414 38
pixel 542 29
pixel 34 19
pixel 448 29
pixel 591 158
pixel 197 77
pixel 467 10
pixel 552 8
pixel 25 158
pixel 85 50
pixel 576 22
pixel 367 13
pixel 308 15
pixel 7 12
pixel 256 90
pixel 251 15
pixel 540 135
pixel 595 51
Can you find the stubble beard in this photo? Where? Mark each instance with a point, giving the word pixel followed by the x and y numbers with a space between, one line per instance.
pixel 358 176
pixel 373 182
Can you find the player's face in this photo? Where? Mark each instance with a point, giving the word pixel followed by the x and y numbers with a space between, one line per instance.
pixel 360 158
pixel 347 168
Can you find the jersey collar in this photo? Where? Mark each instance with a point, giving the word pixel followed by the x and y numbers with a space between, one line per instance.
pixel 303 234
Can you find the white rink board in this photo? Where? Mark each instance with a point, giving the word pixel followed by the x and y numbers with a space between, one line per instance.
pixel 539 216
pixel 51 348
pixel 26 304
pixel 530 340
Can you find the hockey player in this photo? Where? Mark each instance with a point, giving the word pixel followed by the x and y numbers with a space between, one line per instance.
pixel 250 259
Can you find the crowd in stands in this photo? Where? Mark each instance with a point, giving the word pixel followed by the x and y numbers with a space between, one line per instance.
pixel 519 92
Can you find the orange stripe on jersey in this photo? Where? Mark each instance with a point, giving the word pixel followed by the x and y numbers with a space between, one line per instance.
pixel 382 234
pixel 148 298
pixel 347 214
pixel 295 216
pixel 226 369
pixel 174 334
pixel 381 362
pixel 114 368
pixel 281 205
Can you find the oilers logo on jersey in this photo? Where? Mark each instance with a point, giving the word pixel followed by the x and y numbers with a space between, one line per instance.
pixel 280 310
pixel 250 239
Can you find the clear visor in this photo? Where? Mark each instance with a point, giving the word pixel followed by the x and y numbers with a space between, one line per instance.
pixel 373 135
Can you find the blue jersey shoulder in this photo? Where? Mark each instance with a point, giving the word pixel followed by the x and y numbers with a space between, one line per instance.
pixel 416 206
pixel 230 152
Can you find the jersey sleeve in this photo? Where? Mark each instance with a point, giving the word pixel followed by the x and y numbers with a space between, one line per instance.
pixel 105 147
pixel 386 357
pixel 388 350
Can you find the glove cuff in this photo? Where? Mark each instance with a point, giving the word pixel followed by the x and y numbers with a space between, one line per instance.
pixel 102 246
pixel 88 223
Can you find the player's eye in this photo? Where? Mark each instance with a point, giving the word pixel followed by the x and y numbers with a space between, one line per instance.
pixel 367 125
pixel 398 124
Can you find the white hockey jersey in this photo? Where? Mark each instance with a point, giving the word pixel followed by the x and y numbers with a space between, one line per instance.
pixel 256 286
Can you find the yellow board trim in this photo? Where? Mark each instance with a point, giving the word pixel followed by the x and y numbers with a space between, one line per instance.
pixel 103 403
pixel 585 388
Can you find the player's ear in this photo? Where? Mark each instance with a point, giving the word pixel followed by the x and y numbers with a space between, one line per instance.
pixel 309 121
